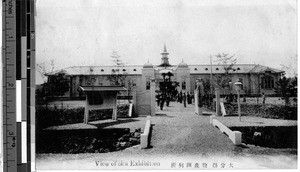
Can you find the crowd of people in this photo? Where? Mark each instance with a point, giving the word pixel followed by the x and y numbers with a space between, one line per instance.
pixel 181 97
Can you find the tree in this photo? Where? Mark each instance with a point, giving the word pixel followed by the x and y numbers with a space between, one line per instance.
pixel 43 70
pixel 54 84
pixel 227 61
pixel 286 88
pixel 116 78
pixel 58 84
pixel 207 89
pixel 291 66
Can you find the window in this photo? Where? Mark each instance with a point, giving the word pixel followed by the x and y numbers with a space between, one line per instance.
pixel 217 68
pixel 183 85
pixel 124 70
pixel 134 69
pixel 267 82
pixel 238 68
pixel 147 84
pixel 196 69
pixel 206 68
pixel 102 70
pixel 242 81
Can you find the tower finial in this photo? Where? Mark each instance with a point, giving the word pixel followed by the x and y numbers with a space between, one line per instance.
pixel 165 49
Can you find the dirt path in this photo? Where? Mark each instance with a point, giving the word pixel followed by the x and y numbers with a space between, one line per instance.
pixel 180 139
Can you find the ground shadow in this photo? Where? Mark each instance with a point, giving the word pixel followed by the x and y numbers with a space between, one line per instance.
pixel 242 146
pixel 206 114
pixel 112 122
pixel 163 115
pixel 253 122
pixel 150 137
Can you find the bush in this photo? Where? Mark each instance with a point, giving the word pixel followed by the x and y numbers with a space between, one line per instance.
pixel 123 110
pixel 265 111
pixel 269 136
pixel 48 116
pixel 86 140
pixel 100 114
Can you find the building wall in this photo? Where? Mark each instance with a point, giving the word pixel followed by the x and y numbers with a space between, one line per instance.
pixel 97 80
pixel 197 76
pixel 147 74
pixel 183 75
pixel 251 81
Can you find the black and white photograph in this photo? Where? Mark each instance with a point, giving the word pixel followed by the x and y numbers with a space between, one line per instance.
pixel 166 85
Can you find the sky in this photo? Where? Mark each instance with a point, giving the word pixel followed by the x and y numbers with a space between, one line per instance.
pixel 86 32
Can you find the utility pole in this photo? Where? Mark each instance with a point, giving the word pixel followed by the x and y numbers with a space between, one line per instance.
pixel 211 89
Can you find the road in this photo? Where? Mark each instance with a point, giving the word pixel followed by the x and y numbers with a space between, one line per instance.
pixel 180 140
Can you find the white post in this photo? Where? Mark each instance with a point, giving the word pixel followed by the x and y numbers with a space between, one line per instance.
pixel 152 96
pixel 238 88
pixel 239 104
pixel 199 93
pixel 86 110
pixel 114 115
pixel 217 101
pixel 134 94
pixel 196 101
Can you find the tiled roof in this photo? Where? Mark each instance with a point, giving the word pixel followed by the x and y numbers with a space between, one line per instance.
pixel 137 69
pixel 101 70
pixel 238 68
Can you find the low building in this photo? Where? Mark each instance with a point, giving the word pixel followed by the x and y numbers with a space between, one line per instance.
pixel 256 79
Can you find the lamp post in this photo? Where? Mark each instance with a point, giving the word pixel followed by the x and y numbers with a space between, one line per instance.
pixel 238 85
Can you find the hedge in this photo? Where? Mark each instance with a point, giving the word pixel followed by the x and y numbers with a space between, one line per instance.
pixel 269 136
pixel 46 117
pixel 263 110
pixel 86 140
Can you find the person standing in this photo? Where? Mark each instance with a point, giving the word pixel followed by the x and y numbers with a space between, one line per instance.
pixel 168 98
pixel 188 96
pixel 184 99
pixel 162 101
pixel 180 97
pixel 157 98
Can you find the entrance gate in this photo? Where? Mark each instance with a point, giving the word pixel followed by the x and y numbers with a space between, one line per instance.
pixel 144 101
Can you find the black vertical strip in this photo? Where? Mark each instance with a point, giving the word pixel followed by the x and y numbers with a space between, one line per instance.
pixel 18 39
pixel 28 97
pixel 24 17
pixel 28 31
pixel 19 144
pixel 28 85
pixel 28 60
pixel 28 6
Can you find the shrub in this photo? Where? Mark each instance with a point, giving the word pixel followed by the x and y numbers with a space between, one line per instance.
pixel 123 110
pixel 52 116
pixel 46 117
pixel 265 111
